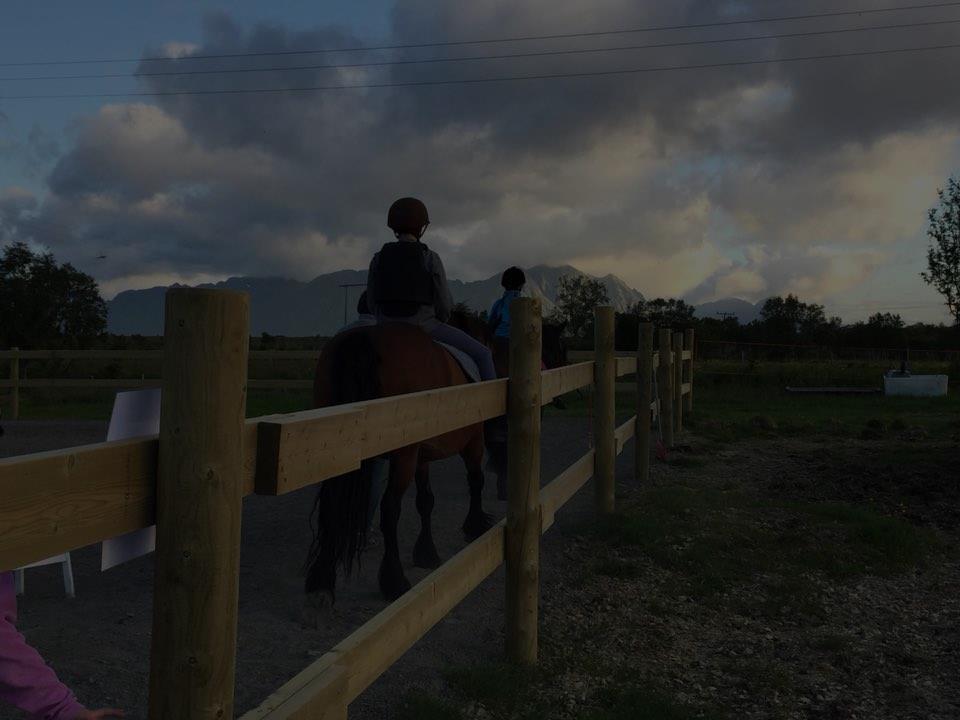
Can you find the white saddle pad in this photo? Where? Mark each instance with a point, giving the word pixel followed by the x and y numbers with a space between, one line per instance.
pixel 466 362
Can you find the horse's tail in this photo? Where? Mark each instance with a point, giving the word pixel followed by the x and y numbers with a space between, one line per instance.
pixel 340 511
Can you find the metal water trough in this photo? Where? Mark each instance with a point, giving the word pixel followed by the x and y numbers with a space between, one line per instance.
pixel 915 385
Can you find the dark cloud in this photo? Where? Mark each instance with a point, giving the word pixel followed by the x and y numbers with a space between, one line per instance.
pixel 768 157
pixel 33 155
pixel 15 206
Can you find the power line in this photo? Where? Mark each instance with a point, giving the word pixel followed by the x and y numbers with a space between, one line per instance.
pixel 477 81
pixel 505 56
pixel 486 41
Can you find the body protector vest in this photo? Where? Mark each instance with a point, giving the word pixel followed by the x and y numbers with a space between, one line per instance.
pixel 403 283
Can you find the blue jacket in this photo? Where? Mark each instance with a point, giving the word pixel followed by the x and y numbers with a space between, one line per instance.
pixel 500 314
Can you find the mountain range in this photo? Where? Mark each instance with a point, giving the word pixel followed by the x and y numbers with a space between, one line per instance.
pixel 281 306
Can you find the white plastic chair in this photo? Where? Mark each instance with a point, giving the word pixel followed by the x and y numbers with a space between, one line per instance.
pixel 63 560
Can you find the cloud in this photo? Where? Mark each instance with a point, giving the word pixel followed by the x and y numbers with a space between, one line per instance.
pixel 16 204
pixel 812 273
pixel 32 155
pixel 812 169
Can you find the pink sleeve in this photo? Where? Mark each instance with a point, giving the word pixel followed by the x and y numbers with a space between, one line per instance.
pixel 25 679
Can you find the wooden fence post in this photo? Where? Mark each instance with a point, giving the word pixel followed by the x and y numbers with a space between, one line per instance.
pixel 522 551
pixel 203 403
pixel 665 386
pixel 677 383
pixel 644 398
pixel 688 345
pixel 605 408
pixel 15 387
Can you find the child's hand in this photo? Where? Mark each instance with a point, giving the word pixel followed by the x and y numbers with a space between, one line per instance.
pixel 101 713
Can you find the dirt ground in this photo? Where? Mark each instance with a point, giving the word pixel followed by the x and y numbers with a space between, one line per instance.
pixel 790 578
pixel 780 577
pixel 99 642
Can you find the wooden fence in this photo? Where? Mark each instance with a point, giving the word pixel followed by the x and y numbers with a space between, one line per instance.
pixel 191 479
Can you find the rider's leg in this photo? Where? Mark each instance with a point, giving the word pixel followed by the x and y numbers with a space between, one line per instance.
pixel 478 351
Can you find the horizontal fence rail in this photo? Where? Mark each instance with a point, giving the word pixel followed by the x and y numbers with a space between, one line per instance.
pixel 58 501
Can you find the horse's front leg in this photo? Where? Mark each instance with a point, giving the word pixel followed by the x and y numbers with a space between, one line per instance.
pixel 425 551
pixel 403 466
pixel 477 521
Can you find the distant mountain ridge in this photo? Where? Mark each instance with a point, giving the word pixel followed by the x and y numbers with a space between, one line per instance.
pixel 281 306
pixel 745 312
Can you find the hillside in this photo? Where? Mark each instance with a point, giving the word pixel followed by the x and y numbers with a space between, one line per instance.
pixel 281 306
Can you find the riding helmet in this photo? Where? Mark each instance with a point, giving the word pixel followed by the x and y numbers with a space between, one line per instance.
pixel 408 215
pixel 513 278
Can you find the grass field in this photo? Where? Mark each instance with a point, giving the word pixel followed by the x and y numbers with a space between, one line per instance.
pixel 83 404
pixel 787 544
pixel 736 402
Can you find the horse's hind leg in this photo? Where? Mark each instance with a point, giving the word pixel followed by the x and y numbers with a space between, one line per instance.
pixel 425 551
pixel 403 465
pixel 477 521
pixel 322 576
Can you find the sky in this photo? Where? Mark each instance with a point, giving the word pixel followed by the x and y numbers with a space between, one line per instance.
pixel 734 178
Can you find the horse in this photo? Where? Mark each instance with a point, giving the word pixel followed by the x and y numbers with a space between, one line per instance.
pixel 374 362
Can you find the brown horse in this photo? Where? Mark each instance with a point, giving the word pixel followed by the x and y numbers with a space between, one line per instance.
pixel 374 362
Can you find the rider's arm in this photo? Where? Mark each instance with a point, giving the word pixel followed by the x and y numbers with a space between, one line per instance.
pixel 443 300
pixel 26 681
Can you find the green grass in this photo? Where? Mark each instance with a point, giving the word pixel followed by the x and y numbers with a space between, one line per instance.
pixel 634 702
pixel 507 691
pixel 97 404
pixel 727 413
pixel 418 705
pixel 751 402
pixel 714 540
pixel 502 688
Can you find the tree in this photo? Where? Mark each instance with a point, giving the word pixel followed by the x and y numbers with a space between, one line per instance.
pixel 787 320
pixel 577 296
pixel 665 312
pixel 943 255
pixel 41 301
pixel 885 321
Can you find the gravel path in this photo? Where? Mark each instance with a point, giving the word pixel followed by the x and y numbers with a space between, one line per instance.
pixel 99 643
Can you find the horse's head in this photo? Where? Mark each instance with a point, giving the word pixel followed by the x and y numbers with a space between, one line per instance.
pixel 554 348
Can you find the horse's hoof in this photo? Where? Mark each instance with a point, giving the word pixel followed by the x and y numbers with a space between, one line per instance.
pixel 317 608
pixel 426 557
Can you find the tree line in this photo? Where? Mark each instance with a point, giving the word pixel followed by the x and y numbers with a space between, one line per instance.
pixel 782 321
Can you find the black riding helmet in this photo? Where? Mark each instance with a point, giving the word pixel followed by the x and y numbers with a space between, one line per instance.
pixel 408 215
pixel 513 278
